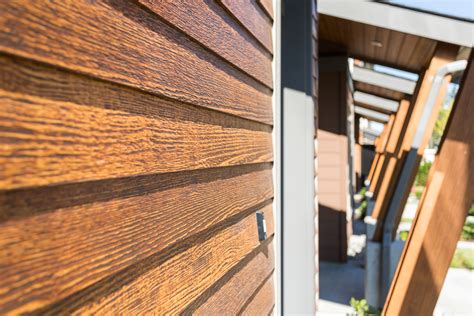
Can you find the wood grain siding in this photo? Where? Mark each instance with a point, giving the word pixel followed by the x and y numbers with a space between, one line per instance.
pixel 267 5
pixel 142 51
pixel 82 143
pixel 218 31
pixel 203 263
pixel 254 19
pixel 244 284
pixel 135 149
pixel 261 303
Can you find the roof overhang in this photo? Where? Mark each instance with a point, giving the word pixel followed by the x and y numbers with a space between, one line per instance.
pixel 401 19
pixel 371 114
pixel 376 102
pixel 383 80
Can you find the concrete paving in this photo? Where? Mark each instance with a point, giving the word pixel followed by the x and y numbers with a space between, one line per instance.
pixel 340 282
pixel 457 294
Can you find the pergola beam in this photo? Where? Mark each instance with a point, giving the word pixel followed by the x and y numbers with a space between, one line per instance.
pixel 432 241
pixel 401 185
pixel 379 79
pixel 375 101
pixel 380 162
pixel 371 114
pixel 388 164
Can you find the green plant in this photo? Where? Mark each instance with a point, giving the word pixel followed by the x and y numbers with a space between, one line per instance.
pixel 361 210
pixel 419 192
pixel 440 125
pixel 463 258
pixel 422 175
pixel 468 231
pixel 362 308
pixel 404 235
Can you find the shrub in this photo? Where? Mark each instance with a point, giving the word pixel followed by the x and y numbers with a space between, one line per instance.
pixel 422 175
pixel 463 258
pixel 362 308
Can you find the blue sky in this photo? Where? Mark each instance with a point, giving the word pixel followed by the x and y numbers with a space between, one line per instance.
pixel 458 8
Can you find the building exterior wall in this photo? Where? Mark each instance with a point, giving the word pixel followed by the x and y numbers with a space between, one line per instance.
pixel 334 172
pixel 135 150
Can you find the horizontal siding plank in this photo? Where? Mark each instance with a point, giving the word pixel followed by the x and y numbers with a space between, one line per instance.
pixel 48 142
pixel 209 24
pixel 24 76
pixel 170 285
pixel 51 256
pixel 267 5
pixel 122 42
pixel 233 295
pixel 250 14
pixel 264 300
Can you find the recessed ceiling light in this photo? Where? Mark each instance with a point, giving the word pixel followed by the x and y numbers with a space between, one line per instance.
pixel 376 43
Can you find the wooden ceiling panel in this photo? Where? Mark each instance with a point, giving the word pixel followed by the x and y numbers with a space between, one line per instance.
pixel 378 91
pixel 400 50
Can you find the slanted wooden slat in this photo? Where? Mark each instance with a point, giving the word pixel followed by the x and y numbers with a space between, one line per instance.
pixel 49 142
pixel 100 229
pixel 184 276
pixel 123 42
pixel 263 301
pixel 254 18
pixel 384 137
pixel 235 293
pixel 441 214
pixel 378 143
pixel 444 54
pixel 210 25
pixel 394 157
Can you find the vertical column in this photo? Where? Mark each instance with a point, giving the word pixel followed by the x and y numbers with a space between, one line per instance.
pixel 298 213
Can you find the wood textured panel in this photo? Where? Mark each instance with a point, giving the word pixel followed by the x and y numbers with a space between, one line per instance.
pixel 267 5
pixel 393 160
pixel 183 277
pixel 51 256
pixel 251 15
pixel 49 142
pixel 118 40
pixel 22 76
pixel 433 239
pixel 263 302
pixel 379 170
pixel 235 293
pixel 378 91
pixel 210 25
pixel 398 50
pixel 444 54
